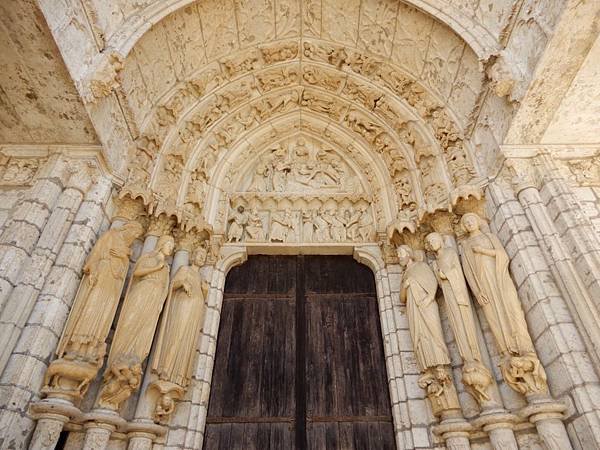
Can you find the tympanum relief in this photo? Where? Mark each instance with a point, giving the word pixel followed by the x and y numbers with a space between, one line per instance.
pixel 302 192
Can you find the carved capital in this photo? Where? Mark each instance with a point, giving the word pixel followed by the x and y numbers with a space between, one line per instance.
pixel 523 173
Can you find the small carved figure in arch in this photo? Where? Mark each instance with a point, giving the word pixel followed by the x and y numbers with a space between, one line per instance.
pixel 237 225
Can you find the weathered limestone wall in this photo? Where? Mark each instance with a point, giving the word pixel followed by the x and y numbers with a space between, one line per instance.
pixel 46 237
pixel 571 373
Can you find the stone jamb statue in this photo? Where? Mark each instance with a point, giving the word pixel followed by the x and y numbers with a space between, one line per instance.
pixel 182 320
pixel 137 323
pixel 82 346
pixel 418 292
pixel 485 264
pixel 475 376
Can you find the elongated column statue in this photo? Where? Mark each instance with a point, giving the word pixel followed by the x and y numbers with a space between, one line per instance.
pixel 475 376
pixel 83 344
pixel 139 316
pixel 485 265
pixel 418 290
pixel 177 340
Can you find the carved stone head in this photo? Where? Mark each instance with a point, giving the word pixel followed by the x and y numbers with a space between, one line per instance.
pixel 166 245
pixel 405 255
pixel 434 242
pixel 200 255
pixel 470 222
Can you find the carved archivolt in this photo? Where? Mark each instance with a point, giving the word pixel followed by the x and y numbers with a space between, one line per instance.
pixel 205 120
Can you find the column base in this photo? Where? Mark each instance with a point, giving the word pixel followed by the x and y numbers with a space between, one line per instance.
pixel 547 415
pixel 498 424
pixel 52 414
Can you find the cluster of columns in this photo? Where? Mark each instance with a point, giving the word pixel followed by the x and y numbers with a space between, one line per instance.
pixel 42 246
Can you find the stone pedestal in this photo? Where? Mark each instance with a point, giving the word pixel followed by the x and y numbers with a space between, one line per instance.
pixel 547 414
pixel 99 425
pixel 52 415
pixel 498 424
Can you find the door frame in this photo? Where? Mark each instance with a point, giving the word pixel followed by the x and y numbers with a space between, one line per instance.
pixel 394 330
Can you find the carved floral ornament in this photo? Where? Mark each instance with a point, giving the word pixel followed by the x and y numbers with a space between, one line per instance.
pixel 203 122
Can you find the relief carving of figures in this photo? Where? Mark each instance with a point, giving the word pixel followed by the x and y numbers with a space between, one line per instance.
pixel 485 264
pixel 237 225
pixel 255 228
pixel 336 225
pixel 308 225
pixel 134 333
pixel 366 227
pixel 82 346
pixel 418 292
pixel 449 273
pixel 282 224
pixel 322 232
pixel 19 171
pixel 302 166
pixel 180 326
pixel 280 52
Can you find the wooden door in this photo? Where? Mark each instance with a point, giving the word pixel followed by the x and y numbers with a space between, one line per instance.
pixel 299 362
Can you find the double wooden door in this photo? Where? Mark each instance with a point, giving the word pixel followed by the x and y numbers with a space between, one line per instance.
pixel 299 362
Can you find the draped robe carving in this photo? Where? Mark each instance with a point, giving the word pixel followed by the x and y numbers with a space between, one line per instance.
pixel 418 290
pixel 137 324
pixel 485 265
pixel 82 346
pixel 449 273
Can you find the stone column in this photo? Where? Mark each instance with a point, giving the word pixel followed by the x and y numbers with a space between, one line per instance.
pixel 26 366
pixel 23 230
pixel 498 424
pixel 22 299
pixel 99 426
pixel 51 417
pixel 581 305
pixel 455 432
